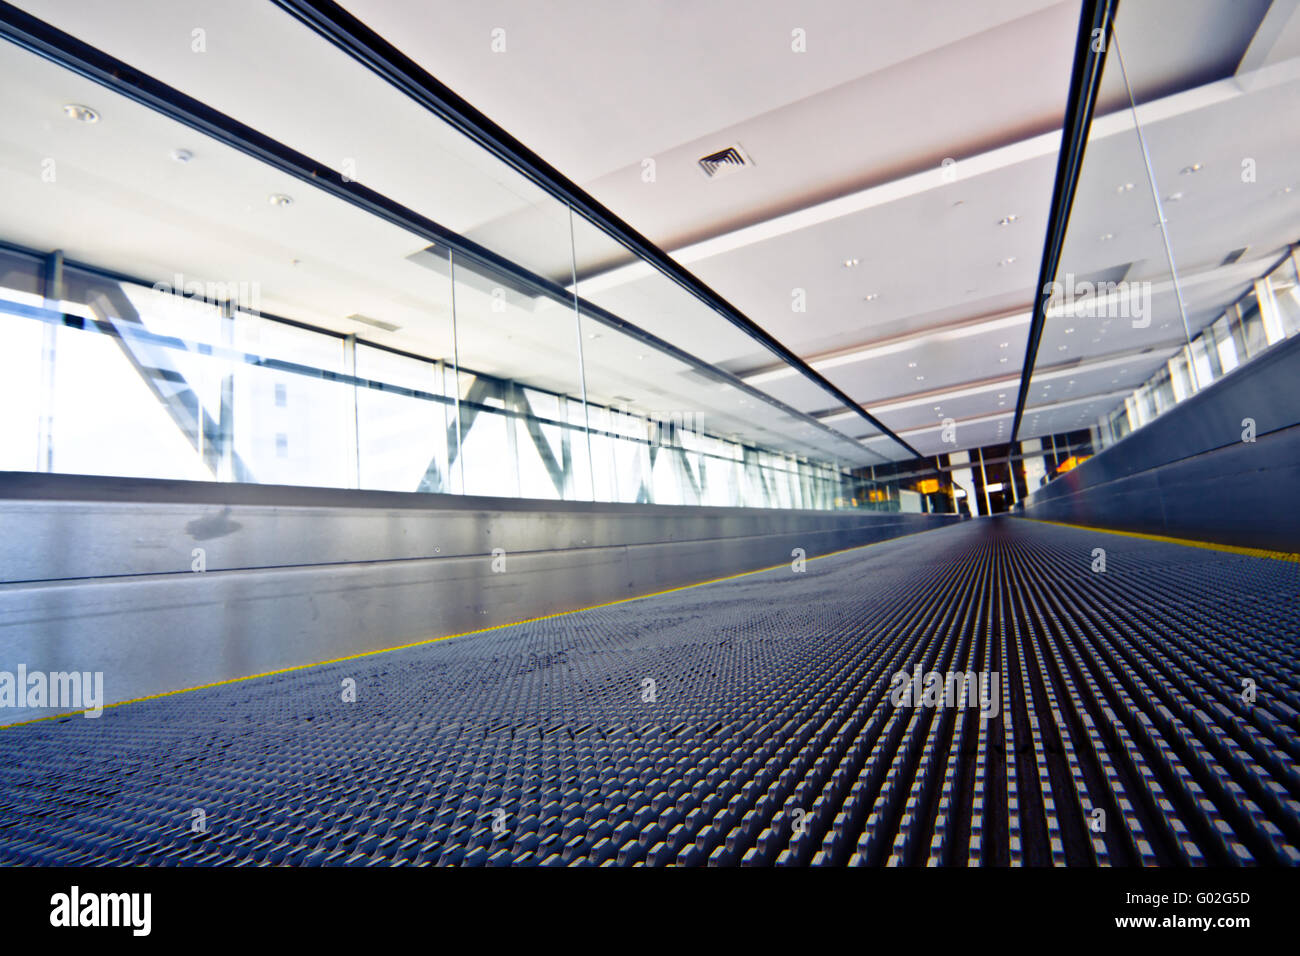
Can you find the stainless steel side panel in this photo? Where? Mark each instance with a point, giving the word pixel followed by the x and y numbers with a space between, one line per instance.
pixel 107 585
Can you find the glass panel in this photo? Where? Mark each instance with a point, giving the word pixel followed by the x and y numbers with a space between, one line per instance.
pixel 403 430
pixel 106 419
pixel 1114 319
pixel 23 394
pixel 280 334
pixel 1225 345
pixel 1252 325
pixel 509 320
pixel 292 429
pixel 697 415
pixel 1286 293
pixel 1230 309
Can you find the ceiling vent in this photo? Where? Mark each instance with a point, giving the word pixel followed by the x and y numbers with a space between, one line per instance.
pixel 373 323
pixel 1233 256
pixel 725 162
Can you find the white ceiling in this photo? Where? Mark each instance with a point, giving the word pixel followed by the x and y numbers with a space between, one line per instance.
pixel 596 87
pixel 848 140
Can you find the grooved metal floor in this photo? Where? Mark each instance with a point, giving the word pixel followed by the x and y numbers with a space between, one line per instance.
pixel 768 734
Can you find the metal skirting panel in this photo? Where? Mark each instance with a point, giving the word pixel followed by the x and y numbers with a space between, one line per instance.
pixel 1242 495
pixel 107 585
pixel 107 528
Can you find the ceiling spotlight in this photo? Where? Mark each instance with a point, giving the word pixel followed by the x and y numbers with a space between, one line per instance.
pixel 1068 331
pixel 82 114
pixel 1003 359
pixel 1003 345
pixel 279 199
pixel 1007 261
pixel 1061 348
pixel 1008 220
pixel 920 378
pixel 1188 170
pixel 871 298
pixel 1107 237
pixel 911 365
pixel 182 155
pixel 850 263
pixel 1173 197
pixel 1126 187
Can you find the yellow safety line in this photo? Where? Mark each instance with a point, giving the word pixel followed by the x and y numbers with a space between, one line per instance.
pixel 448 637
pixel 1190 542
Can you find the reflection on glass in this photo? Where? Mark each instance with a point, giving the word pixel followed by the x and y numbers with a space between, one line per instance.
pixel 1233 282
pixel 1114 315
pixel 348 352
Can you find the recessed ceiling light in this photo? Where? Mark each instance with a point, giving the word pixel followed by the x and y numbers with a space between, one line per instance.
pixel 1069 331
pixel 1188 170
pixel 1062 348
pixel 911 365
pixel 279 199
pixel 182 155
pixel 82 114
pixel 850 263
pixel 871 298
pixel 1003 359
pixel 1173 197
pixel 1007 261
pixel 1107 237
pixel 1126 187
pixel 1008 220
pixel 920 378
